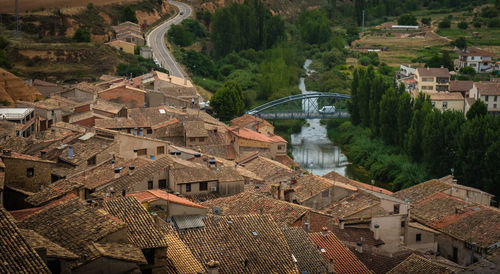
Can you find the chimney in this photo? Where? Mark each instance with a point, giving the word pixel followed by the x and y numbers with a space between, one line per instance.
pixel 359 247
pixel 229 224
pixel 212 162
pixel 376 233
pixel 178 153
pixel 43 154
pixel 306 227
pixel 117 173
pixel 324 231
pixel 341 223
pixel 7 152
pixel 131 169
pixel 113 164
pixel 331 267
pixel 70 152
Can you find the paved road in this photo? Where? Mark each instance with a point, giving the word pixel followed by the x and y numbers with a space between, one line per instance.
pixel 155 40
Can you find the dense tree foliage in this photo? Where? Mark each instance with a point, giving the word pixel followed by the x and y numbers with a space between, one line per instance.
pixel 245 26
pixel 81 35
pixel 4 63
pixel 128 14
pixel 407 20
pixel 314 26
pixel 227 102
pixel 137 66
pixel 440 141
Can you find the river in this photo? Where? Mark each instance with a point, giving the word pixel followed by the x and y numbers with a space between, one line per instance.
pixel 313 151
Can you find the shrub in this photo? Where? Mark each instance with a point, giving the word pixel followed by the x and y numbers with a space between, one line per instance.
pixel 468 70
pixel 445 24
pixel 81 35
pixel 407 20
pixel 462 25
pixel 494 23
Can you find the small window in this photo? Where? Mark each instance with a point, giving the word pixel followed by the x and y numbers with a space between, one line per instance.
pixel 142 152
pixel 162 184
pixel 486 98
pixel 495 98
pixel 396 209
pixel 201 139
pixel 160 150
pixel 433 104
pixel 188 187
pixel 403 224
pixel 281 147
pixel 192 139
pixel 494 105
pixel 325 194
pixel 418 237
pixel 149 131
pixel 91 161
pixel 445 105
pixel 203 186
pixel 150 184
pixel 30 172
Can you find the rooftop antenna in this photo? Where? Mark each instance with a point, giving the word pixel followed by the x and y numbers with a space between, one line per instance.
pixel 17 19
pixel 363 23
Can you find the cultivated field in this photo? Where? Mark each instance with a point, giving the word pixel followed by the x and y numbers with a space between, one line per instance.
pixel 8 6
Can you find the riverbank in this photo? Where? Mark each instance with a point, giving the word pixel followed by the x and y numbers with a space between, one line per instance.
pixel 285 129
pixel 387 165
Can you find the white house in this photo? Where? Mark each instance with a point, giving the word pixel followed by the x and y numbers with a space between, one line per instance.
pixel 476 58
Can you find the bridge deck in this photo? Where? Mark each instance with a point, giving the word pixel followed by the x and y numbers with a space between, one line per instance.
pixel 302 115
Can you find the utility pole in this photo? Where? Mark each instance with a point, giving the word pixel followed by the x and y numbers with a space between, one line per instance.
pixel 362 22
pixel 17 19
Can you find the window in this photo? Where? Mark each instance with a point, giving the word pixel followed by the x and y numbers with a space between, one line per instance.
pixel 418 237
pixel 445 105
pixel 192 139
pixel 142 152
pixel 396 209
pixel 203 186
pixel 150 131
pixel 30 172
pixel 149 254
pixel 160 150
pixel 403 224
pixel 433 104
pixel 201 139
pixel 486 98
pixel 281 147
pixel 325 194
pixel 495 98
pixel 188 187
pixel 91 161
pixel 150 184
pixel 494 105
pixel 162 184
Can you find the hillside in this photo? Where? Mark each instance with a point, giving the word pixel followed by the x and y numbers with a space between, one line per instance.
pixel 8 6
pixel 13 88
pixel 286 8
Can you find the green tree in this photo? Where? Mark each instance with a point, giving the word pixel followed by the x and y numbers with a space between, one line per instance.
pixel 389 121
pixel 353 104
pixel 478 109
pixel 462 25
pixel 404 115
pixel 460 43
pixel 378 88
pixel 314 26
pixel 407 20
pixel 128 14
pixel 178 35
pixel 426 21
pixel 227 102
pixel 468 71
pixel 359 7
pixel 445 24
pixel 81 35
pixel 413 140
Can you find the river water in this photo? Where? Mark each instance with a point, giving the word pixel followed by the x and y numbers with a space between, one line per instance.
pixel 312 149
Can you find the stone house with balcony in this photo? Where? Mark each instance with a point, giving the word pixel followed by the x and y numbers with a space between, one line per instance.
pixel 25 119
pixel 476 58
pixel 246 141
pixel 432 80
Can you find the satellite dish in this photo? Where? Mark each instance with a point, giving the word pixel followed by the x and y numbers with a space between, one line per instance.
pixel 216 210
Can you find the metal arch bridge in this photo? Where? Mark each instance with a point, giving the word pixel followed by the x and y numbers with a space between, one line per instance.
pixel 314 105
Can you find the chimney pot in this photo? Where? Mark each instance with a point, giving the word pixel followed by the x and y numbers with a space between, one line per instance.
pixel 376 233
pixel 324 231
pixel 117 172
pixel 341 223
pixel 359 247
pixel 306 227
pixel 43 154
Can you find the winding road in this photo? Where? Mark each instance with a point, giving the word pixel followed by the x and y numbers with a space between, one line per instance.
pixel 155 40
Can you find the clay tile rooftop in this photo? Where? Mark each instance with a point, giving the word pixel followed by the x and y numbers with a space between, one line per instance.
pixel 158 194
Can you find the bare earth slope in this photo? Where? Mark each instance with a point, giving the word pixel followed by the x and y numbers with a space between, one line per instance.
pixel 13 88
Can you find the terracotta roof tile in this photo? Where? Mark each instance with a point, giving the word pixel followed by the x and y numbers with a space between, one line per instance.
pixel 378 262
pixel 344 260
pixel 249 134
pixel 311 185
pixel 459 85
pixel 422 190
pixel 181 257
pixel 284 213
pixel 251 243
pixel 352 204
pixel 271 170
pixel 488 88
pixel 142 229
pixel 158 194
pixel 418 264
pixel 476 52
pixel 435 72
pixel 456 96
pixel 124 252
pixel 334 176
pixel 16 255
pixel 36 241
pixel 72 224
pixel 308 256
pixel 248 120
pixel 53 191
pixel 195 129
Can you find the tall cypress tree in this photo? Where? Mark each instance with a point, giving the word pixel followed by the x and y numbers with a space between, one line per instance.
pixel 404 113
pixel 354 103
pixel 389 121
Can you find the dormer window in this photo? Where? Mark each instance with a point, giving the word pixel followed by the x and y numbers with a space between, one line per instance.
pixel 30 172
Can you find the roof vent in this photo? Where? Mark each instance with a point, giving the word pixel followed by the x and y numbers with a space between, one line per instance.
pixel 230 223
pixel 178 152
pixel 359 247
pixel 197 155
pixel 132 169
pixel 172 152
pixel 117 172
pixel 254 233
